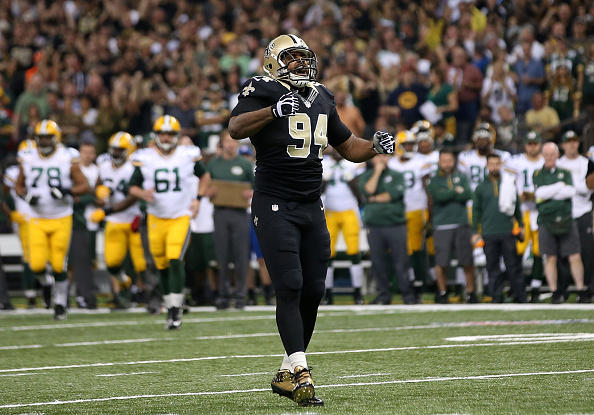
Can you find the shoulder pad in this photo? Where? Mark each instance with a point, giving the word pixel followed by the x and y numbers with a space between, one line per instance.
pixel 193 153
pixel 263 87
pixel 322 88
pixel 102 158
pixel 74 154
pixel 139 157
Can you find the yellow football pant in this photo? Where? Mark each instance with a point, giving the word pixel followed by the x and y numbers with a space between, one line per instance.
pixel 23 229
pixel 529 235
pixel 429 245
pixel 49 240
pixel 347 222
pixel 119 239
pixel 168 238
pixel 415 232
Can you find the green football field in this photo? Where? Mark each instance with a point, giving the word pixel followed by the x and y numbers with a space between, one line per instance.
pixel 462 359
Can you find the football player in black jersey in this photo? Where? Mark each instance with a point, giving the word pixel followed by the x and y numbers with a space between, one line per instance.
pixel 290 120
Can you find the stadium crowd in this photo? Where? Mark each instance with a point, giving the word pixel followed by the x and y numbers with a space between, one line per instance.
pixel 475 81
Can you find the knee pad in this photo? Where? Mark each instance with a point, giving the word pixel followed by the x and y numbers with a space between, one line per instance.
pixel 287 296
pixel 314 291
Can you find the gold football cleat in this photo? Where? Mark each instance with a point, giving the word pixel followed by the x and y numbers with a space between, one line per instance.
pixel 282 383
pixel 303 391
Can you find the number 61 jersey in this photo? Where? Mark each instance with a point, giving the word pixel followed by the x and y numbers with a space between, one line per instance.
pixel 289 150
pixel 42 173
pixel 171 176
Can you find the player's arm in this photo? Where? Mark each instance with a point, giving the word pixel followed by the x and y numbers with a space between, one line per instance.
pixel 80 185
pixel 20 187
pixel 205 179
pixel 136 189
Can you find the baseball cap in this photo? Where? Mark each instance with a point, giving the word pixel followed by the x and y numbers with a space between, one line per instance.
pixel 569 135
pixel 533 137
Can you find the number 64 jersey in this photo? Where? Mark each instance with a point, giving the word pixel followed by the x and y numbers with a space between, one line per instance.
pixel 117 179
pixel 42 173
pixel 171 176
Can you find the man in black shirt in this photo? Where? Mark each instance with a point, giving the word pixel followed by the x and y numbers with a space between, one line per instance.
pixel 290 120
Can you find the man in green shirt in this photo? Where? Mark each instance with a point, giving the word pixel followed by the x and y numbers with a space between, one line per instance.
pixel 231 224
pixel 496 229
pixel 558 234
pixel 449 191
pixel 384 216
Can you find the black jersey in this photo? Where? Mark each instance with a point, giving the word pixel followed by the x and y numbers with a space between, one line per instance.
pixel 289 150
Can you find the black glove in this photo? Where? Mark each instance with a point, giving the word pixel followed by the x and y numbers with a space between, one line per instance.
pixel 383 143
pixel 59 193
pixel 31 199
pixel 287 105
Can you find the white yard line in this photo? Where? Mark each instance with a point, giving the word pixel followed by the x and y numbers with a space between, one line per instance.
pixel 21 346
pixel 330 331
pixel 102 342
pixel 20 374
pixel 109 375
pixel 256 356
pixel 364 376
pixel 246 374
pixel 342 385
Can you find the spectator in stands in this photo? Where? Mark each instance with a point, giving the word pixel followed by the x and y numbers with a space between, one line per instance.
pixel 495 227
pixel 444 97
pixel 34 95
pixel 499 93
pixel 185 111
pixel 542 118
pixel 348 113
pixel 557 231
pixel 530 73
pixel 212 116
pixel 449 191
pixel 561 94
pixel 6 126
pixel 403 103
pixel 384 215
pixel 467 80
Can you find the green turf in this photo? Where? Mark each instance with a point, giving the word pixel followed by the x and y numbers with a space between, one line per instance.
pixel 534 394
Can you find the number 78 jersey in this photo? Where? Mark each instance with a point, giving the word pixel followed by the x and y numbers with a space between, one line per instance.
pixel 171 177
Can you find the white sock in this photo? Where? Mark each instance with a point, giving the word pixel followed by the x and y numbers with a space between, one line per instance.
pixel 177 300
pixel 297 359
pixel 411 274
pixel 330 277
pixel 30 293
pixel 167 301
pixel 357 275
pixel 286 365
pixel 535 283
pixel 61 293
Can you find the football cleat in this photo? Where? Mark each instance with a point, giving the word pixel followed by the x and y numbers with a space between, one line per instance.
pixel 59 312
pixel 282 383
pixel 173 318
pixel 303 391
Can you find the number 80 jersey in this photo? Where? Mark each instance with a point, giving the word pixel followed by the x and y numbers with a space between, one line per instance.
pixel 171 177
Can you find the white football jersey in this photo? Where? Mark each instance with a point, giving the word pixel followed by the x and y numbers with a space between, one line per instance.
pixel 203 222
pixel 430 160
pixel 338 196
pixel 91 172
pixel 474 166
pixel 41 173
pixel 590 153
pixel 413 171
pixel 578 167
pixel 117 179
pixel 171 177
pixel 524 169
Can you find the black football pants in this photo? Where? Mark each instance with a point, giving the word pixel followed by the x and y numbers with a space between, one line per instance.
pixel 296 248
